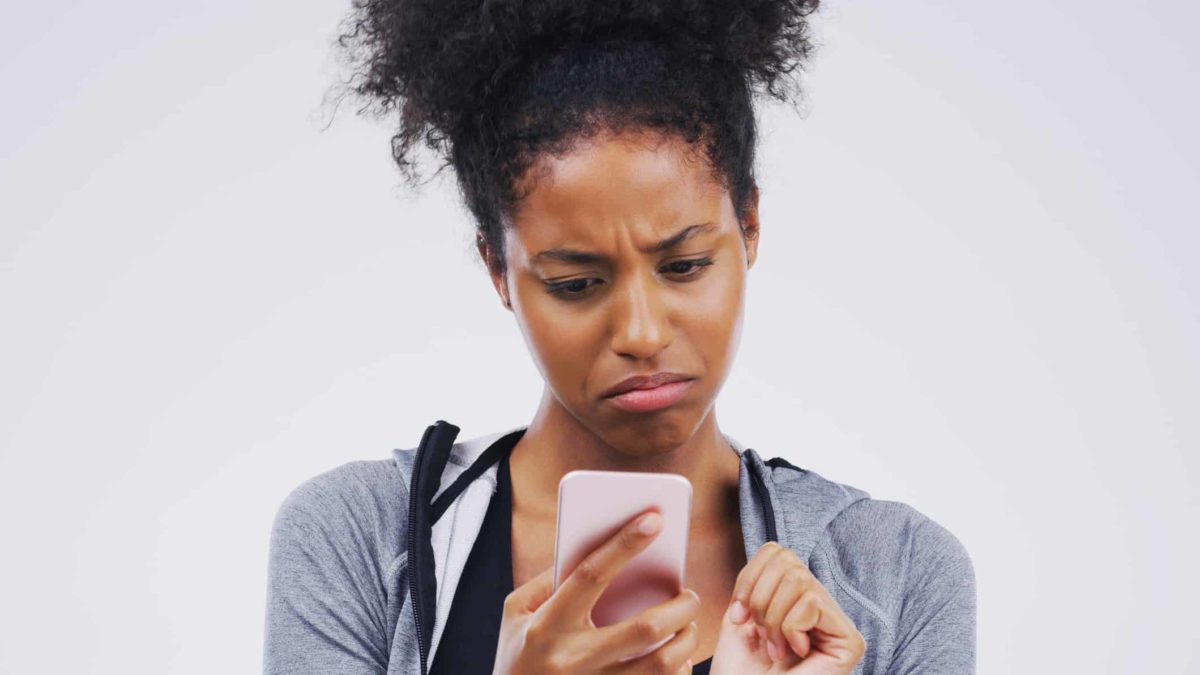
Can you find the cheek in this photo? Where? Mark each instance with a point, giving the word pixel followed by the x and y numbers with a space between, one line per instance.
pixel 713 318
pixel 563 342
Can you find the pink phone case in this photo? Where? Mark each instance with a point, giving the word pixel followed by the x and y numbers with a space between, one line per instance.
pixel 593 505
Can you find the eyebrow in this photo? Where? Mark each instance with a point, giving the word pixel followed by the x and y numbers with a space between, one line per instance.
pixel 584 257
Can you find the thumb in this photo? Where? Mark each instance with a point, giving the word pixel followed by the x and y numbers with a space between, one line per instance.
pixel 736 624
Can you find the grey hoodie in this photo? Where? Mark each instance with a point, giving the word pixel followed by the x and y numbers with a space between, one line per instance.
pixel 342 578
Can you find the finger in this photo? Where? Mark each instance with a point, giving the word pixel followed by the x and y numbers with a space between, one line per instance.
pixel 669 658
pixel 574 598
pixel 825 627
pixel 749 574
pixel 648 627
pixel 764 588
pixel 791 587
pixel 800 619
pixel 530 595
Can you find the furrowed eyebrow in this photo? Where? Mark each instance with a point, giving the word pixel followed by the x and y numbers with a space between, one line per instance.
pixel 583 257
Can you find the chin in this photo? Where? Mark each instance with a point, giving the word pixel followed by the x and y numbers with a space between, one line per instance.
pixel 649 434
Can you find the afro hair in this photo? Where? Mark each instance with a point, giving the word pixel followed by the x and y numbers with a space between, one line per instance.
pixel 490 85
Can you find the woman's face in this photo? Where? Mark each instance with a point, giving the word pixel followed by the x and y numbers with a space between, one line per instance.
pixel 627 259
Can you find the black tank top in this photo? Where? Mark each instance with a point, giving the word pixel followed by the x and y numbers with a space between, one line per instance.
pixel 468 643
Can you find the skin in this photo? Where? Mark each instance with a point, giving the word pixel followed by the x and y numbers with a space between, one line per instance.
pixel 629 311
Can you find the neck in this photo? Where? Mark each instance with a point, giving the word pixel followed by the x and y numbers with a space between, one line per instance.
pixel 555 443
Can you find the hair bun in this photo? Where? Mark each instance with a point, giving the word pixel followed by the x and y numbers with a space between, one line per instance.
pixel 437 60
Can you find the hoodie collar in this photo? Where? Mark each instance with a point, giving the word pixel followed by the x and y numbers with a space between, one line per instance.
pixel 776 500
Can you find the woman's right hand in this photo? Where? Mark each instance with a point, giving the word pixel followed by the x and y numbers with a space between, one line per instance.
pixel 547 631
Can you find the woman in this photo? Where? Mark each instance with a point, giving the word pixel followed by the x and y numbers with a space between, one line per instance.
pixel 606 152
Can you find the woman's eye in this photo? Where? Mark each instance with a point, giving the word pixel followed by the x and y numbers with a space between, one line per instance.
pixel 689 268
pixel 575 289
pixel 569 289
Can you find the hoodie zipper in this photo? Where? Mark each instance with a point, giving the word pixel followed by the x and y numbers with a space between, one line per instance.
pixel 430 459
pixel 414 503
pixel 764 498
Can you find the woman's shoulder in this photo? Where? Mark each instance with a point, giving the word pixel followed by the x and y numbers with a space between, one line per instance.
pixel 334 576
pixel 893 541
pixel 362 504
pixel 882 550
pixel 373 483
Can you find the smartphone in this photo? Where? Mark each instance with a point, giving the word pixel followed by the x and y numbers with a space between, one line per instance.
pixel 594 505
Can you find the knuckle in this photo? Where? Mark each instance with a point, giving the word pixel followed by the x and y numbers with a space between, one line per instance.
pixel 510 603
pixel 758 605
pixel 646 629
pixel 806 603
pixel 691 637
pixel 589 571
pixel 559 663
pixel 795 576
pixel 662 662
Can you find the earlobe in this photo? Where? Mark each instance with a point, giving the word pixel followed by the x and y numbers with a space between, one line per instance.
pixel 489 262
pixel 751 229
pixel 502 289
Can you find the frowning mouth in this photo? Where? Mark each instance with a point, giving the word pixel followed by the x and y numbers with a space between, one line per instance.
pixel 644 382
pixel 651 398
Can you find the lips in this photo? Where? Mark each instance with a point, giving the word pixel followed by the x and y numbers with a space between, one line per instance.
pixel 644 382
pixel 655 399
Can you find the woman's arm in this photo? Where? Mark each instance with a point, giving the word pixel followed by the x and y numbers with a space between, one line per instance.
pixel 330 558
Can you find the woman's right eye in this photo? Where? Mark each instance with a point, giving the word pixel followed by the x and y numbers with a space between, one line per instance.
pixel 569 290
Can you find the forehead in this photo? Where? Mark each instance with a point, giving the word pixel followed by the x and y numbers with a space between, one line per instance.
pixel 641 181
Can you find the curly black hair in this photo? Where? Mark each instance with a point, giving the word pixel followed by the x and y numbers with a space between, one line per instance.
pixel 490 85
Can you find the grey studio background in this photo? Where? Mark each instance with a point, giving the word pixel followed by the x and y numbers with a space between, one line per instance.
pixel 977 293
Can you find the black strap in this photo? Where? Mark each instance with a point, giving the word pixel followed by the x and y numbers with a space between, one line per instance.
pixel 487 458
pixel 428 464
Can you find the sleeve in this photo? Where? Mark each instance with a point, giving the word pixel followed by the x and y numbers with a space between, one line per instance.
pixel 936 634
pixel 326 600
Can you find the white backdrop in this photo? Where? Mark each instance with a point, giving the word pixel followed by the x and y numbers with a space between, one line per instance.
pixel 977 293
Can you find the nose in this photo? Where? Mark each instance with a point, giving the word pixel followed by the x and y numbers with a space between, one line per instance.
pixel 641 325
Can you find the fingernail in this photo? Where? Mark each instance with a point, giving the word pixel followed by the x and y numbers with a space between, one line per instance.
pixel 650 523
pixel 762 633
pixel 773 651
pixel 739 613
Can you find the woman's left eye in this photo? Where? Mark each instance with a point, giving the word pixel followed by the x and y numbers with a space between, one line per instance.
pixel 691 267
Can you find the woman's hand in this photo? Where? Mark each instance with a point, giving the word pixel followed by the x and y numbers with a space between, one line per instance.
pixel 546 631
pixel 782 620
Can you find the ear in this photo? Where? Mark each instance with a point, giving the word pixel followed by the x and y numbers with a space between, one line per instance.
pixel 750 228
pixel 493 265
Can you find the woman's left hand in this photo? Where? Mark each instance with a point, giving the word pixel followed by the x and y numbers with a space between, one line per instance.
pixel 782 620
